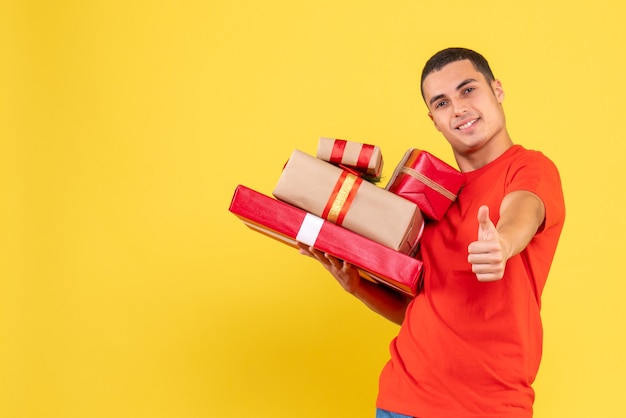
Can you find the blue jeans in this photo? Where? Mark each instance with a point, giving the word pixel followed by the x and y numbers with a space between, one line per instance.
pixel 381 413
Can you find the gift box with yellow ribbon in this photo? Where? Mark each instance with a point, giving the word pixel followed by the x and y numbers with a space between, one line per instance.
pixel 340 197
pixel 290 225
pixel 362 158
pixel 427 181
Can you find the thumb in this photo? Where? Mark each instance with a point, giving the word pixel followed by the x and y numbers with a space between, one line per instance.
pixel 486 228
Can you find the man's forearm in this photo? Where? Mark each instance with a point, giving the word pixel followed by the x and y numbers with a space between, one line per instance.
pixel 521 215
pixel 382 300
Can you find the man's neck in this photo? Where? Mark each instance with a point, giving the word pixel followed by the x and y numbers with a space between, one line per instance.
pixel 471 161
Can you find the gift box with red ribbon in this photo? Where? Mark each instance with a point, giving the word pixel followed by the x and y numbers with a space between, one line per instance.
pixel 290 225
pixel 365 159
pixel 342 198
pixel 427 181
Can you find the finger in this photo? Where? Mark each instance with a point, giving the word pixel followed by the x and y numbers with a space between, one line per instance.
pixel 314 253
pixel 304 249
pixel 487 273
pixel 483 216
pixel 486 228
pixel 488 277
pixel 333 261
pixel 483 247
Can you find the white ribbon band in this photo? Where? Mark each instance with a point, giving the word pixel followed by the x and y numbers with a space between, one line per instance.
pixel 310 229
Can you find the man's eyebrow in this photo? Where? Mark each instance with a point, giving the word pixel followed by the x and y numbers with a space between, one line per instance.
pixel 435 98
pixel 459 87
pixel 464 83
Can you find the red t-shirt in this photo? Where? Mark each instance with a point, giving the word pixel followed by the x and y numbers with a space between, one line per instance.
pixel 469 349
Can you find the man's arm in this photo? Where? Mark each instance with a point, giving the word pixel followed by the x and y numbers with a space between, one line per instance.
pixel 521 214
pixel 382 300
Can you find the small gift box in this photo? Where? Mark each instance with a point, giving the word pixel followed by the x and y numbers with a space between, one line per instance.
pixel 362 158
pixel 346 200
pixel 427 181
pixel 290 225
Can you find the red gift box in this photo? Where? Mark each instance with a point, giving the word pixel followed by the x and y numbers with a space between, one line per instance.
pixel 290 225
pixel 426 181
pixel 362 158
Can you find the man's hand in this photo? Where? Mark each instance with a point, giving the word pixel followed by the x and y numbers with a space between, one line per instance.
pixel 521 215
pixel 386 302
pixel 345 273
pixel 487 255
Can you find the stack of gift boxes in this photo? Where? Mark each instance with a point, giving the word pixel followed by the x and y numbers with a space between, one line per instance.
pixel 330 202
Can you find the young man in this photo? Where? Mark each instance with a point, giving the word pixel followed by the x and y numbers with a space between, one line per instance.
pixel 470 342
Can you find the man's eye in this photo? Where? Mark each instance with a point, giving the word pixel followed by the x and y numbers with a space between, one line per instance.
pixel 468 90
pixel 440 104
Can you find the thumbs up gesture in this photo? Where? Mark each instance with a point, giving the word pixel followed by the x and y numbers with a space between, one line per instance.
pixel 486 255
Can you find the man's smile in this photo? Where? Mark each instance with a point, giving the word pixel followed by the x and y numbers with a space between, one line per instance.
pixel 467 124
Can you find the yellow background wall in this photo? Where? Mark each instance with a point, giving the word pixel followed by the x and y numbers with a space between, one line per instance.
pixel 126 287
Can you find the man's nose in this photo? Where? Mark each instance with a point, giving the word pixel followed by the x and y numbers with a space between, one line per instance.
pixel 459 107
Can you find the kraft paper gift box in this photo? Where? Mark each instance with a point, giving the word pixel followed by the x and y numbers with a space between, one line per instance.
pixel 362 158
pixel 336 195
pixel 427 181
pixel 290 225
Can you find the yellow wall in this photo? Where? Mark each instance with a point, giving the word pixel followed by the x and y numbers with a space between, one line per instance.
pixel 126 287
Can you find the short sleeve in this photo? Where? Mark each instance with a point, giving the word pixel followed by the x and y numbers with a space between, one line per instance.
pixel 536 173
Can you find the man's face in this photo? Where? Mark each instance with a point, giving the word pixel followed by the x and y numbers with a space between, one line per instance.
pixel 465 108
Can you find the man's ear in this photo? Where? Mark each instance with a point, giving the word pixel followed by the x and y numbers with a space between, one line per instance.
pixel 430 115
pixel 496 86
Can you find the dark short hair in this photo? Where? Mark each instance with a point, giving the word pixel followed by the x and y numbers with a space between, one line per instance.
pixel 449 55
